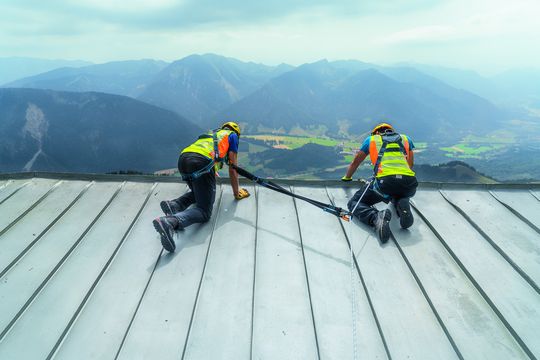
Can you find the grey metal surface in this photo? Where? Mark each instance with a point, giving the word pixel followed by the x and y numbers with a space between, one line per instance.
pixel 474 327
pixel 49 315
pixel 23 234
pixel 22 200
pixel 228 276
pixel 22 283
pixel 115 299
pixel 329 271
pixel 523 204
pixel 83 275
pixel 516 303
pixel 509 234
pixel 398 302
pixel 282 318
pixel 166 309
pixel 10 188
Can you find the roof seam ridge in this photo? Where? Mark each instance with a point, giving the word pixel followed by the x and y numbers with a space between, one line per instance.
pixel 29 209
pixel 534 194
pixel 515 212
pixel 122 342
pixel 137 307
pixel 45 231
pixel 106 267
pixel 256 194
pixel 428 299
pixel 196 302
pixel 307 276
pixel 476 285
pixel 516 267
pixel 364 285
pixel 44 283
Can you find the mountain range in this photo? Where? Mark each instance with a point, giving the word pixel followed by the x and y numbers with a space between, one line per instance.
pixel 87 132
pixel 14 68
pixel 127 78
pixel 199 86
pixel 130 102
pixel 333 95
pixel 340 95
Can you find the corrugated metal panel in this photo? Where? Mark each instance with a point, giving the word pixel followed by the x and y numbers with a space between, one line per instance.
pixel 83 275
pixel 282 317
pixel 166 308
pixel 516 303
pixel 329 271
pixel 409 325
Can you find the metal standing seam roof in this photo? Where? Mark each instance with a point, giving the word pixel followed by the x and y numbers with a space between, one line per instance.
pixel 83 274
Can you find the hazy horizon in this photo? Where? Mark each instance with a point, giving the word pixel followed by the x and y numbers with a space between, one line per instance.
pixel 485 36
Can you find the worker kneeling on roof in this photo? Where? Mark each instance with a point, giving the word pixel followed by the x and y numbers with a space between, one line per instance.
pixel 392 157
pixel 198 164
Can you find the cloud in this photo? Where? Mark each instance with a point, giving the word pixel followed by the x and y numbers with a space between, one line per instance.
pixel 124 6
pixel 184 14
pixel 446 32
pixel 421 34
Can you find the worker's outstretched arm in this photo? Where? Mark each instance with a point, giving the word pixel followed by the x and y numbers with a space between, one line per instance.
pixel 233 176
pixel 360 156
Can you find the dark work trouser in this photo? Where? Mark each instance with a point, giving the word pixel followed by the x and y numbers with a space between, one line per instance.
pixel 202 191
pixel 393 187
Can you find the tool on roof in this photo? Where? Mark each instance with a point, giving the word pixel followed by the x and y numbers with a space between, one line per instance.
pixel 334 210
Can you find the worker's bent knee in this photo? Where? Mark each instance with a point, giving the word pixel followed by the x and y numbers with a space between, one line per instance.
pixel 206 215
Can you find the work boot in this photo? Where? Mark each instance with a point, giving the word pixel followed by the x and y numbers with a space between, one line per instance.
pixel 169 207
pixel 165 226
pixel 403 209
pixel 382 225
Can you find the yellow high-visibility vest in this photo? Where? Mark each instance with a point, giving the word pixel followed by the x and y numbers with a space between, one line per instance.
pixel 394 160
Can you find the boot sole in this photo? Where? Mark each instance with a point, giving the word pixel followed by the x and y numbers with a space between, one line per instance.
pixel 167 243
pixel 384 231
pixel 405 215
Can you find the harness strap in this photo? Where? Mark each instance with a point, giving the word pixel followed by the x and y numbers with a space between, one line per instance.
pixel 379 156
pixel 378 190
pixel 383 149
pixel 210 166
pixel 216 148
pixel 196 174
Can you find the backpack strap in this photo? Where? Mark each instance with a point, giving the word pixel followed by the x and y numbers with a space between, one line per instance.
pixel 217 159
pixel 380 155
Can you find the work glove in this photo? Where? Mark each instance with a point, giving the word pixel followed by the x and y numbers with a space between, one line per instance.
pixel 242 193
pixel 345 178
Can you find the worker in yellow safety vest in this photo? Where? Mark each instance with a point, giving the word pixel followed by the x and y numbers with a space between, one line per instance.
pixel 198 164
pixel 394 180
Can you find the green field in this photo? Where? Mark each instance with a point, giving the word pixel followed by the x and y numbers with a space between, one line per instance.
pixel 472 147
pixel 294 142
pixel 465 151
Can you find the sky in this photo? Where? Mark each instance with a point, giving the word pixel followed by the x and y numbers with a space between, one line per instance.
pixel 488 36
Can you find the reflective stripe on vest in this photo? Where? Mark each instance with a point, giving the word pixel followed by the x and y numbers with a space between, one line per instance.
pixel 393 161
pixel 205 144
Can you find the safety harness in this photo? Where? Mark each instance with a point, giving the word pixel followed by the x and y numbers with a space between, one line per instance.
pixel 388 138
pixel 391 138
pixel 208 168
pixel 329 208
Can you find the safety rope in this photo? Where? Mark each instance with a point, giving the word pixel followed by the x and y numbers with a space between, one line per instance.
pixel 334 210
pixel 337 211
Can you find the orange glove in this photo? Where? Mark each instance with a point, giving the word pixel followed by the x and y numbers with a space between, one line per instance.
pixel 242 193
